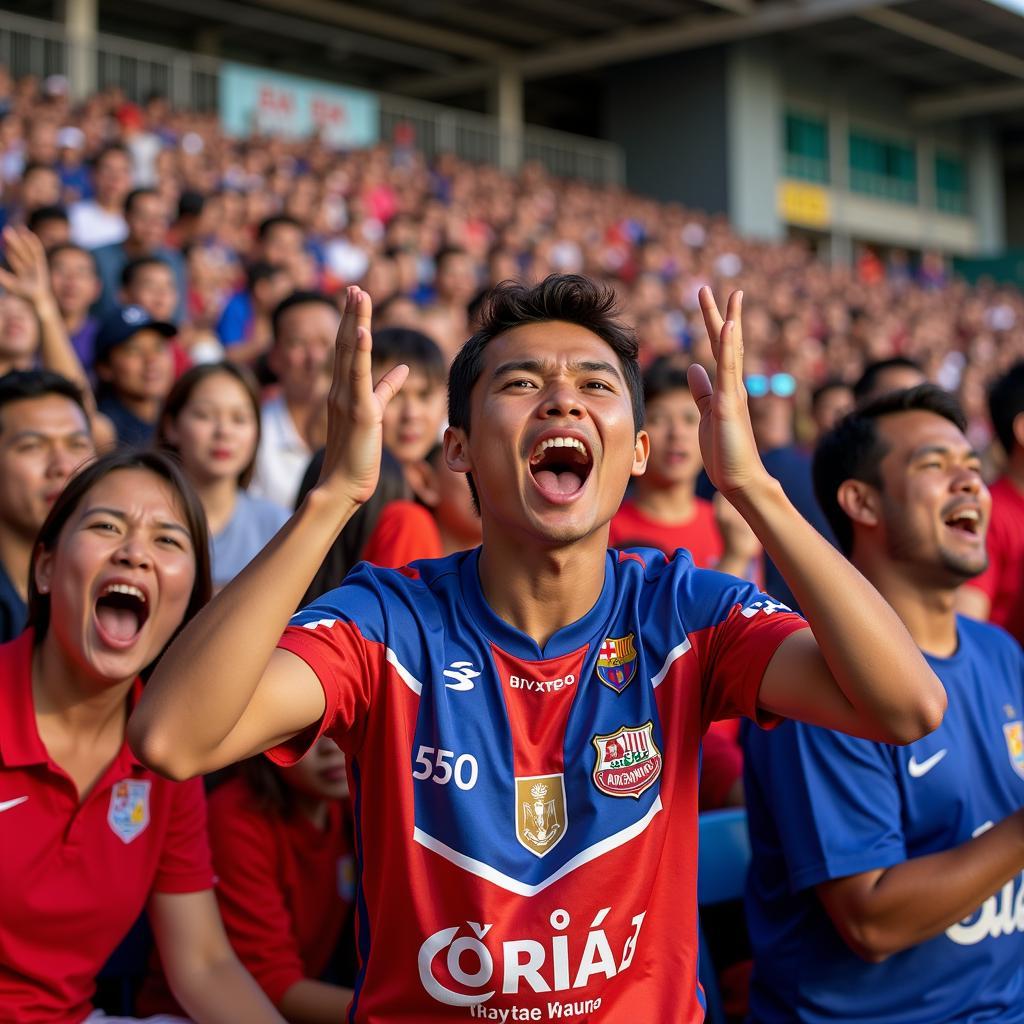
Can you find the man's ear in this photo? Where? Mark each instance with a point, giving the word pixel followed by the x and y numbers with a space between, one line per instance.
pixel 861 502
pixel 641 453
pixel 456 450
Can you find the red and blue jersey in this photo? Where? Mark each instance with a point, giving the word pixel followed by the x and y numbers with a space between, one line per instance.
pixel 525 816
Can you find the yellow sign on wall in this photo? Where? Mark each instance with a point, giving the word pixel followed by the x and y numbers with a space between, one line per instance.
pixel 804 204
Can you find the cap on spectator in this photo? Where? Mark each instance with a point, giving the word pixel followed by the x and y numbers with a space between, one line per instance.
pixel 56 85
pixel 71 138
pixel 120 325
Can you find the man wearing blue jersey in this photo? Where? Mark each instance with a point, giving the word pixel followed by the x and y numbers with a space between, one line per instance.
pixel 523 721
pixel 887 881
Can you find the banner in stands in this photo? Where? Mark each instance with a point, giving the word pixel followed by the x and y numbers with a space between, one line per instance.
pixel 269 103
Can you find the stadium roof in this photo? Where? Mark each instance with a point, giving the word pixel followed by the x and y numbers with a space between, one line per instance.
pixel 956 57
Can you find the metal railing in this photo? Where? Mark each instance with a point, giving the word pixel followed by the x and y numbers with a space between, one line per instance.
pixel 29 46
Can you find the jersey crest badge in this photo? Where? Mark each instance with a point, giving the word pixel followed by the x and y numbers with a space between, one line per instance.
pixel 628 762
pixel 1014 733
pixel 541 820
pixel 616 662
pixel 128 815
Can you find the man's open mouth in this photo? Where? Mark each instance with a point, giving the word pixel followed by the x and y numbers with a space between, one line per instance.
pixel 121 611
pixel 561 465
pixel 965 519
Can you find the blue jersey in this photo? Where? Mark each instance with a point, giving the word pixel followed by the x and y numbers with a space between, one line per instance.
pixel 526 816
pixel 823 805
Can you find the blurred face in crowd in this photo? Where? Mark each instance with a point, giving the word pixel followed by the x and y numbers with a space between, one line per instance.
pixel 320 775
pixel 771 416
pixel 216 431
pixel 141 368
pixel 268 292
pixel 148 221
pixel 19 331
pixel 456 281
pixel 113 180
pixel 154 288
pixel 933 506
pixel 40 188
pixel 283 245
pixel 42 442
pixel 53 231
pixel 42 141
pixel 671 422
pixel 895 378
pixel 415 416
pixel 832 405
pixel 302 348
pixel 76 284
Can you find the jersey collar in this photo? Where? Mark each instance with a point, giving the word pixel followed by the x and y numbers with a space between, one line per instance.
pixel 566 641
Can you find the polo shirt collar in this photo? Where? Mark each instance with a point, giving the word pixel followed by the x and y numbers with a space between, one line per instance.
pixel 20 744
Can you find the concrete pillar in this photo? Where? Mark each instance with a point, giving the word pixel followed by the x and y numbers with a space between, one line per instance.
pixel 985 190
pixel 81 24
pixel 506 102
pixel 840 243
pixel 754 116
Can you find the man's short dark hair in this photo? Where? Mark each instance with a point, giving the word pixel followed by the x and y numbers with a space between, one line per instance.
pixel 567 297
pixel 133 267
pixel 37 165
pixel 268 225
pixel 853 448
pixel 56 250
pixel 135 195
pixel 111 147
pixel 869 378
pixel 19 385
pixel 43 215
pixel 832 384
pixel 261 270
pixel 394 345
pixel 1006 403
pixel 301 298
pixel 663 376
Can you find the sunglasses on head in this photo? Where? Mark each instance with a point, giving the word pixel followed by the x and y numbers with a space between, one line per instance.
pixel 782 385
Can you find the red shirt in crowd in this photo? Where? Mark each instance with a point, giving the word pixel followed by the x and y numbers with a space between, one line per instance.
pixel 285 887
pixel 699 534
pixel 75 875
pixel 1003 581
pixel 405 532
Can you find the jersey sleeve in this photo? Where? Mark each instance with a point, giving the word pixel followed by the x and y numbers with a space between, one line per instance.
pixel 185 864
pixel 405 532
pixel 341 637
pixel 834 801
pixel 256 915
pixel 735 629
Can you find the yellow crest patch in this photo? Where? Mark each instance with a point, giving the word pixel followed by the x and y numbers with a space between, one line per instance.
pixel 541 819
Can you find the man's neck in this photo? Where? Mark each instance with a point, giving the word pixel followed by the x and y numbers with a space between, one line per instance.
pixel 671 505
pixel 539 591
pixel 15 555
pixel 145 409
pixel 74 322
pixel 300 409
pixel 927 610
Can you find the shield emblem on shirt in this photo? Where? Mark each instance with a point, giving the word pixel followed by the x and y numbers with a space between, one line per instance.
pixel 1014 733
pixel 628 761
pixel 616 662
pixel 129 808
pixel 541 819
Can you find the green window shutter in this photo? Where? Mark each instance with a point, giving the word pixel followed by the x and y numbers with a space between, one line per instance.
pixel 950 184
pixel 806 148
pixel 879 167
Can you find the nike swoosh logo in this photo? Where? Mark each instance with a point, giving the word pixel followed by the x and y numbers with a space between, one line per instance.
pixel 8 804
pixel 917 769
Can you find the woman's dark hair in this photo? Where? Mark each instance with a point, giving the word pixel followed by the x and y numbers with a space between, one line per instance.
pixel 268 789
pixel 1006 403
pixel 179 395
pixel 347 550
pixel 853 448
pixel 157 463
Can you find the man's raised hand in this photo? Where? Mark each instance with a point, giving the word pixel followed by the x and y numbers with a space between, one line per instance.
pixel 355 408
pixel 726 436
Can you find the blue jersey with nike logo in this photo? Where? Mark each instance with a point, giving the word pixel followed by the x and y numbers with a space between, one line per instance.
pixel 823 805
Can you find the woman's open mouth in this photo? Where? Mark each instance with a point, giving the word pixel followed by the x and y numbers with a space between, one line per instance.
pixel 560 466
pixel 121 611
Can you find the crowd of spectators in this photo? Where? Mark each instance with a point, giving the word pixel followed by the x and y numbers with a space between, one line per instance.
pixel 188 287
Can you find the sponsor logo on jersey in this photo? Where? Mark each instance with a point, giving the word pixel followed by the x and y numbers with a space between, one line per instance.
pixel 1014 733
pixel 540 812
pixel 128 815
pixel 769 606
pixel 616 662
pixel 463 672
pixel 541 685
pixel 628 762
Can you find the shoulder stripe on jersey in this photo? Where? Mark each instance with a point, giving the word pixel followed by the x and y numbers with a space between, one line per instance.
pixel 674 655
pixel 404 674
pixel 490 874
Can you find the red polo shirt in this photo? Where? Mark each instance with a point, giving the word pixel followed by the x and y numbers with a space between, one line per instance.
pixel 75 876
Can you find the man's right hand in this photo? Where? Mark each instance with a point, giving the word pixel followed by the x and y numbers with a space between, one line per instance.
pixel 355 408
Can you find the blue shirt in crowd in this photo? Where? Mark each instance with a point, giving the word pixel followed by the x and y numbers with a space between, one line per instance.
pixel 823 805
pixel 13 611
pixel 252 524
